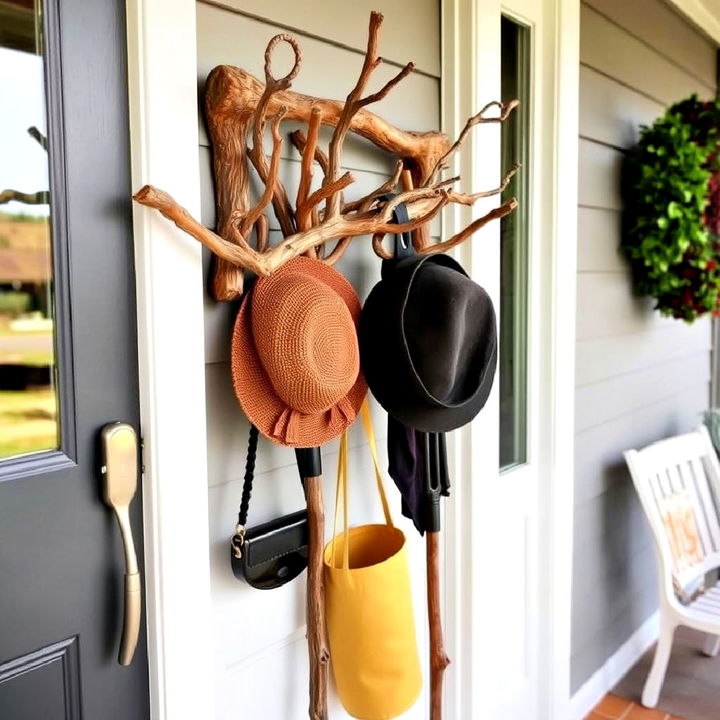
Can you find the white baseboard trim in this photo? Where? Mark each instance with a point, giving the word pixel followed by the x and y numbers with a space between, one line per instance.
pixel 603 680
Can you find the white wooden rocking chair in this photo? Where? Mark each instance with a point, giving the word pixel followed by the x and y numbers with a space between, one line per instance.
pixel 678 481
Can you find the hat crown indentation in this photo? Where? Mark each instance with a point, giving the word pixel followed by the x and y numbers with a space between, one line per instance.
pixel 307 343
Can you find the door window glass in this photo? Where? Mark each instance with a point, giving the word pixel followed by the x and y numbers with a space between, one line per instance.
pixel 515 71
pixel 28 397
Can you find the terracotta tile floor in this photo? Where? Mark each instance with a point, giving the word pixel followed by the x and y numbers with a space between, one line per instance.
pixel 612 707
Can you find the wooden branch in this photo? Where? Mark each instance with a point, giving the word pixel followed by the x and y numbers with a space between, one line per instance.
pixel 477 119
pixel 262 232
pixel 243 256
pixel 353 104
pixel 237 103
pixel 471 198
pixel 438 657
pixel 234 93
pixel 239 256
pixel 251 217
pixel 319 654
pixel 421 235
pixel 306 166
pixel 42 197
pixel 228 141
pixel 505 209
pixel 321 194
pixel 298 139
pixel 338 251
pixel 281 204
pixel 365 203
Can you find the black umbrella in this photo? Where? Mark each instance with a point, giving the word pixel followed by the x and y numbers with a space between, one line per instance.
pixel 418 465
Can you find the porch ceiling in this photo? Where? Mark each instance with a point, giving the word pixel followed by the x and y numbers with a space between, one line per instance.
pixel 703 13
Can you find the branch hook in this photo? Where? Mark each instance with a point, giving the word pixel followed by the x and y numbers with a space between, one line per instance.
pixel 287 79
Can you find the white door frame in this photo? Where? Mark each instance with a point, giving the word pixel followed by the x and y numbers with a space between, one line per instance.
pixel 162 72
pixel 471 77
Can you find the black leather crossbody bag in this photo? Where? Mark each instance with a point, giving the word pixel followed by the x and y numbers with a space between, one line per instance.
pixel 268 555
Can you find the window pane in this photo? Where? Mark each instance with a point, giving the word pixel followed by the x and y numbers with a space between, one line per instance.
pixel 28 400
pixel 514 249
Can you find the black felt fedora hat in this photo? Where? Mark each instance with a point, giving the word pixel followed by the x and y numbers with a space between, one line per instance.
pixel 428 340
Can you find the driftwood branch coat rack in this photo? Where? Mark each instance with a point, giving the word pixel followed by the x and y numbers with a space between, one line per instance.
pixel 238 107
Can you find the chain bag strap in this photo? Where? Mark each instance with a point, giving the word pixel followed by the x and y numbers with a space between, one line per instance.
pixel 271 554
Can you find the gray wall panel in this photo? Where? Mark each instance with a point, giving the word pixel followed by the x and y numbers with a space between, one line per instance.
pixel 666 32
pixel 613 51
pixel 345 23
pixel 640 377
pixel 254 630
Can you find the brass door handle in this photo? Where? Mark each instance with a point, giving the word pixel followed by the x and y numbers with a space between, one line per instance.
pixel 120 470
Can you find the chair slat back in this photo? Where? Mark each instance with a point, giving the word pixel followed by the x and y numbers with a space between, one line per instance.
pixel 684 469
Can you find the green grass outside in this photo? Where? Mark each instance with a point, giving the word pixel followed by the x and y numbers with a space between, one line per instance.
pixel 28 421
pixel 6 330
pixel 32 358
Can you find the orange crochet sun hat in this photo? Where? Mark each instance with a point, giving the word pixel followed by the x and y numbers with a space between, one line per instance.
pixel 294 354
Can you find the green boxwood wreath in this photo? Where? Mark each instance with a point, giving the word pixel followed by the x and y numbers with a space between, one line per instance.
pixel 672 210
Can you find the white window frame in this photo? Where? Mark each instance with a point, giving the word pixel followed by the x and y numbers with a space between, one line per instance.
pixel 162 80
pixel 470 61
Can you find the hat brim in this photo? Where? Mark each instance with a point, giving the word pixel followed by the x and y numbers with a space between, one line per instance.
pixel 253 388
pixel 387 363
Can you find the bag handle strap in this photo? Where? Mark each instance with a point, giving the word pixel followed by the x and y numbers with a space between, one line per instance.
pixel 341 492
pixel 370 432
pixel 238 539
pixel 341 487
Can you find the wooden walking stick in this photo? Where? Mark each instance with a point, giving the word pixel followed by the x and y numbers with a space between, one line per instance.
pixel 435 485
pixel 309 463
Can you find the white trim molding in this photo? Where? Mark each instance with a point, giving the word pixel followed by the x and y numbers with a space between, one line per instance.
pixel 162 72
pixel 700 14
pixel 471 75
pixel 556 499
pixel 615 668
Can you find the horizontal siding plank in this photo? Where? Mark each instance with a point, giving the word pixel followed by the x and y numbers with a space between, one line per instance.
pixel 612 113
pixel 599 233
pixel 663 29
pixel 607 357
pixel 604 586
pixel 346 23
pixel 607 306
pixel 599 175
pixel 608 400
pixel 226 38
pixel 586 660
pixel 612 51
pixel 614 519
pixel 599 463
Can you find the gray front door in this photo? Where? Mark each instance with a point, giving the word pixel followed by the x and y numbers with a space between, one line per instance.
pixel 68 360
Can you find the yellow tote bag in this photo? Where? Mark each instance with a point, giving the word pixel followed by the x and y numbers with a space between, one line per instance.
pixel 368 606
